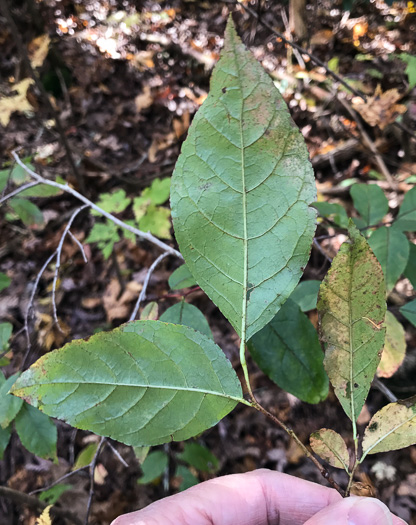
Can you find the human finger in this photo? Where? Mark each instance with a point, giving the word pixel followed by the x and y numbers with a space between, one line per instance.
pixel 255 498
pixel 356 511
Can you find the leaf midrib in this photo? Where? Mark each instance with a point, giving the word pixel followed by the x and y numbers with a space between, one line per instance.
pixel 138 385
pixel 244 195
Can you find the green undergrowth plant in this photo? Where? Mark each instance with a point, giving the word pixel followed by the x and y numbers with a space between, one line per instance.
pixel 241 197
pixel 149 215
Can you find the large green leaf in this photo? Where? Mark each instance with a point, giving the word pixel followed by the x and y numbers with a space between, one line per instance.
pixel 370 202
pixel 188 315
pixel 352 307
pixel 241 191
pixel 406 219
pixel 391 248
pixel 391 428
pixel 288 351
pixel 36 432
pixel 145 383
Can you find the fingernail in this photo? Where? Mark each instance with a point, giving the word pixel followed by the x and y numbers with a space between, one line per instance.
pixel 369 511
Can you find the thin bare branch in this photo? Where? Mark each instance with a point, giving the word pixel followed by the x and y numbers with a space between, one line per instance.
pixel 66 188
pixel 142 295
pixel 30 304
pixel 58 262
pixel 79 244
pixel 62 478
pixel 18 190
pixel 92 466
pixel 117 454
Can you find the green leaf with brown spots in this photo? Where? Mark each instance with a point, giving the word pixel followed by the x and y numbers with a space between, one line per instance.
pixel 241 192
pixel 391 428
pixel 352 308
pixel 331 447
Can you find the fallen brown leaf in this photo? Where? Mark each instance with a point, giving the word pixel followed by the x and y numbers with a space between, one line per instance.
pixel 381 109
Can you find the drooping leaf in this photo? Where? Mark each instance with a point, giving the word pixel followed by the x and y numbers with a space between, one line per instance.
pixel 240 193
pixel 181 278
pixel 334 212
pixel 391 428
pixel 9 405
pixel 5 434
pixel 406 219
pixel 27 211
pixel 188 479
pixel 154 466
pixel 188 315
pixel 5 281
pixel 370 202
pixel 391 248
pixel 288 351
pixel 144 383
pixel 394 350
pixel 305 295
pixel 331 447
pixel 36 432
pixel 409 311
pixel 150 312
pixel 199 457
pixel 410 270
pixel 352 308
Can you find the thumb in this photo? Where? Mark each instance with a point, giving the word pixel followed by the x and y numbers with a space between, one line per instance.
pixel 356 511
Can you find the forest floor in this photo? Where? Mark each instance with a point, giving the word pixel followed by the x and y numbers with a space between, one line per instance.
pixel 126 79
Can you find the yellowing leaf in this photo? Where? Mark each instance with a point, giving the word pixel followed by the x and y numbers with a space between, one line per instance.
pixel 391 428
pixel 19 102
pixel 394 347
pixel 38 50
pixel 331 447
pixel 45 517
pixel 352 307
